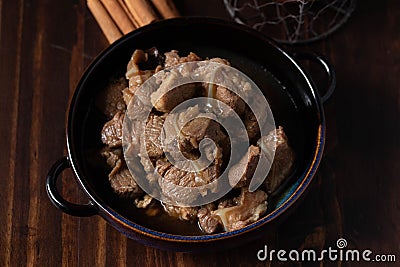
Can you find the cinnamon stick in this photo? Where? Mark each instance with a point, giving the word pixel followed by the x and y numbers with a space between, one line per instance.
pixel 166 8
pixel 104 20
pixel 118 15
pixel 128 13
pixel 142 11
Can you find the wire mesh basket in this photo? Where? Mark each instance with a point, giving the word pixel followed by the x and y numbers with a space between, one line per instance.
pixel 292 21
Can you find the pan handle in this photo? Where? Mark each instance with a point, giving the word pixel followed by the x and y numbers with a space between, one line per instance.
pixel 80 210
pixel 328 68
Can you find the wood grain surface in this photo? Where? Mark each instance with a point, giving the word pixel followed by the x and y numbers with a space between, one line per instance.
pixel 46 45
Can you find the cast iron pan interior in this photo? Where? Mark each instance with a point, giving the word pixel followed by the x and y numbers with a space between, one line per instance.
pixel 292 101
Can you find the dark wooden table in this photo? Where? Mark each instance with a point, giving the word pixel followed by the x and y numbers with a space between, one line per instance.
pixel 44 48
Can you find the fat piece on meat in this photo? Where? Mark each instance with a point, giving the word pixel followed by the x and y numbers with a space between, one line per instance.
pixel 249 208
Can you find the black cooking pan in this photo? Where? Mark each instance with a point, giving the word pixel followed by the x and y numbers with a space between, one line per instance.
pixel 293 98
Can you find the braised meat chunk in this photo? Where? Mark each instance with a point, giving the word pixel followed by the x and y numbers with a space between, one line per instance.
pixel 138 56
pixel 152 136
pixel 172 58
pixel 241 173
pixel 173 178
pixel 120 178
pixel 144 202
pixel 114 157
pixel 142 65
pixel 123 183
pixel 208 222
pixel 250 206
pixel 135 81
pixel 283 161
pixel 198 129
pixel 141 60
pixel 111 134
pixel 251 124
pixel 186 137
pixel 231 99
pixel 172 133
pixel 165 101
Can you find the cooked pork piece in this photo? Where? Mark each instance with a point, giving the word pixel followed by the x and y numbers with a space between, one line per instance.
pixel 135 81
pixel 173 176
pixel 283 160
pixel 124 184
pixel 172 58
pixel 144 202
pixel 152 136
pixel 198 129
pixel 186 137
pixel 183 213
pixel 162 165
pixel 189 58
pixel 138 56
pixel 275 141
pixel 220 61
pixel 143 60
pixel 226 203
pixel 139 78
pixel 120 178
pixel 110 99
pixel 242 172
pixel 176 122
pixel 251 124
pixel 208 222
pixel 195 130
pixel 249 207
pixel 165 101
pixel 146 162
pixel 111 134
pixel 147 61
pixel 177 176
pixel 113 157
pixel 231 99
